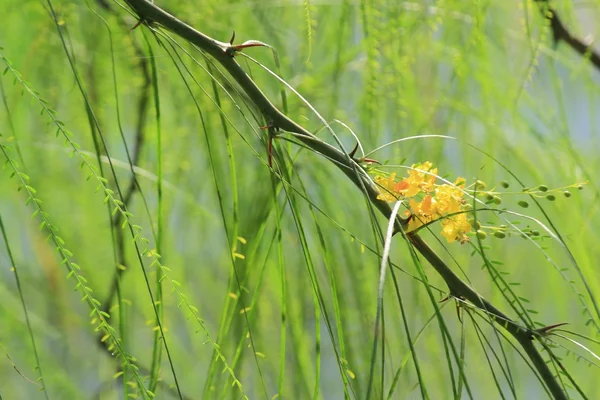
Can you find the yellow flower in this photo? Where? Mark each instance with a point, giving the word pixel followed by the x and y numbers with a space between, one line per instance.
pixel 387 185
pixel 437 200
pixel 421 177
pixel 455 228
pixel 420 213
pixel 449 198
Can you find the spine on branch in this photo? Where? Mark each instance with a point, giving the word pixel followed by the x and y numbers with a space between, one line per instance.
pixel 224 53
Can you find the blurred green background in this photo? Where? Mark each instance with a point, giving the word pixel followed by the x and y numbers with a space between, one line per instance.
pixel 485 72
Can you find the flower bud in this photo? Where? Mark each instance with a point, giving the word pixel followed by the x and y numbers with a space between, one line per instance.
pixel 474 224
pixel 523 204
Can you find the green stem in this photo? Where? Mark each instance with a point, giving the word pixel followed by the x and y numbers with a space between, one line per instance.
pixel 458 288
pixel 224 54
pixel 158 334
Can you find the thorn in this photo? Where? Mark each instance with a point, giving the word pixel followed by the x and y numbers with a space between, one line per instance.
pixel 363 159
pixel 368 160
pixel 458 308
pixel 137 24
pixel 353 152
pixel 271 127
pixel 232 38
pixel 272 134
pixel 272 130
pixel 458 304
pixel 246 44
pixel 546 329
pixel 270 150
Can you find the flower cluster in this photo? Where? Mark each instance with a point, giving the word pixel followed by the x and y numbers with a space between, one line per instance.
pixel 428 201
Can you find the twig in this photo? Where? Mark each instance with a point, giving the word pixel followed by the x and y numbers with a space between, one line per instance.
pixel 142 112
pixel 224 54
pixel 560 33
pixel 133 186
pixel 523 335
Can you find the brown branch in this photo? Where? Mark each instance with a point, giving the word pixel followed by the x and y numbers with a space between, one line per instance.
pixel 525 336
pixel 224 53
pixel 560 33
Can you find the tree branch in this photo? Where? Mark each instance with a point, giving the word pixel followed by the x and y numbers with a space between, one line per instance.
pixel 523 335
pixel 560 33
pixel 224 54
